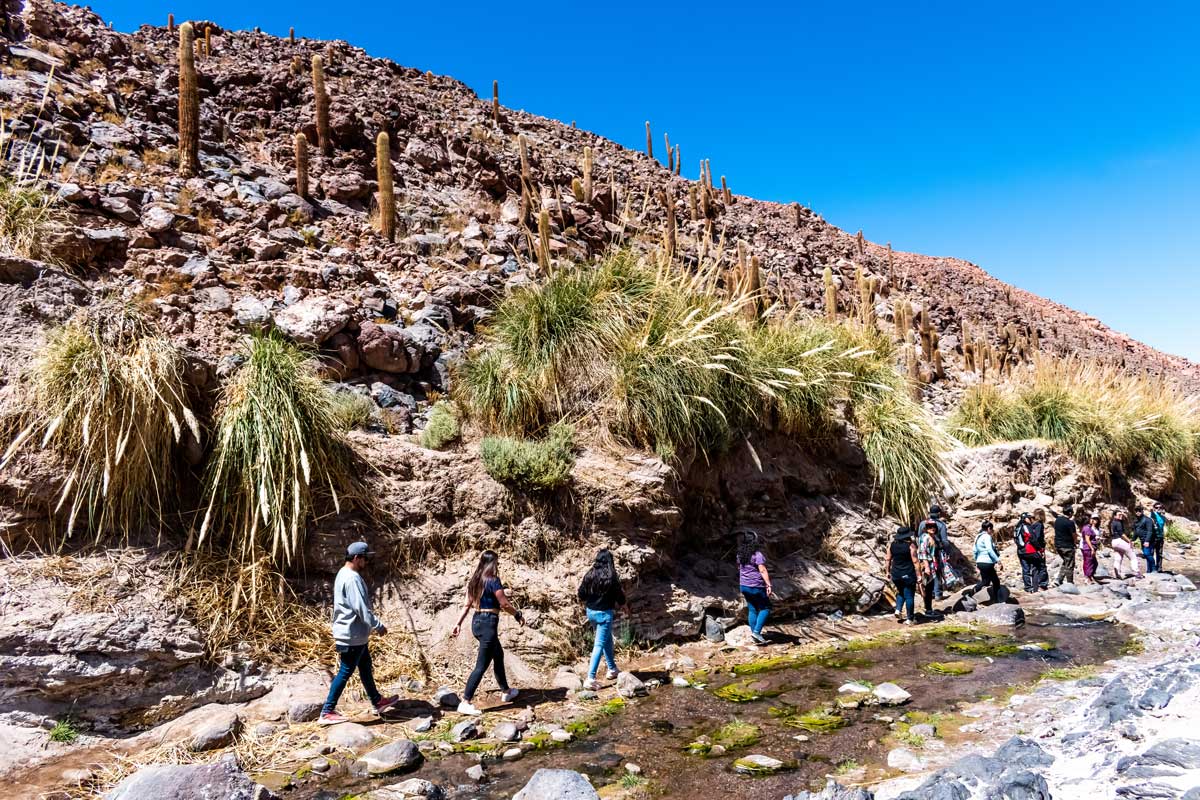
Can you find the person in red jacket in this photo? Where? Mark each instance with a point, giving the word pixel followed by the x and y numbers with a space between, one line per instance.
pixel 1031 550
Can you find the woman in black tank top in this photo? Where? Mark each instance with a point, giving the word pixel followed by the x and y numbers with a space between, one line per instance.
pixel 902 571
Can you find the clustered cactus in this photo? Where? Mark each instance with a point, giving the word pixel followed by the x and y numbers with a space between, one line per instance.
pixel 387 195
pixel 189 104
pixel 321 101
pixel 301 146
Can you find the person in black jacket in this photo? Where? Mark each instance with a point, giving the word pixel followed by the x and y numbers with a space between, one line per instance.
pixel 1144 530
pixel 1066 539
pixel 1031 550
pixel 602 594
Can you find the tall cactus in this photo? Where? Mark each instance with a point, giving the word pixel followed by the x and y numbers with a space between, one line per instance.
pixel 207 41
pixel 678 160
pixel 649 141
pixel 693 206
pixel 301 146
pixel 387 194
pixel 577 190
pixel 753 282
pixel 544 241
pixel 170 23
pixel 799 214
pixel 587 174
pixel 523 152
pixel 670 153
pixel 321 101
pixel 830 295
pixel 725 193
pixel 914 368
pixel 496 103
pixel 291 35
pixel 926 336
pixel 189 104
pixel 668 201
pixel 862 249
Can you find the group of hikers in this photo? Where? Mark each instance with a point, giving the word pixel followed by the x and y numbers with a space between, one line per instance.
pixel 917 561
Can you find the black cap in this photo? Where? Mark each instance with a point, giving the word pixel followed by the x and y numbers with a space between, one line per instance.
pixel 935 510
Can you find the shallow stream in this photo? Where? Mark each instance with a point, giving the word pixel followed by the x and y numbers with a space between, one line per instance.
pixel 777 699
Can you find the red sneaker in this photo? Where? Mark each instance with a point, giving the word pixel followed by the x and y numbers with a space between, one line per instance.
pixel 386 703
pixel 331 718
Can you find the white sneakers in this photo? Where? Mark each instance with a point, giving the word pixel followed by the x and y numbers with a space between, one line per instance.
pixel 510 695
pixel 591 684
pixel 611 675
pixel 466 708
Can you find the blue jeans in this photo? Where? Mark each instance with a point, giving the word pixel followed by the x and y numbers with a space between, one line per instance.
pixel 603 620
pixel 352 657
pixel 906 594
pixel 760 607
pixel 1148 552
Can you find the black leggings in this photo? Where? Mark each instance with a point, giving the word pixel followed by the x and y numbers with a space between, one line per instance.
pixel 485 628
pixel 988 578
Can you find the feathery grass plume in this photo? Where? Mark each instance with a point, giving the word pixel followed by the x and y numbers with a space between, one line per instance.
pixel 27 213
pixel 442 428
pixel 649 141
pixel 541 464
pixel 387 196
pixel 321 106
pixel 108 395
pixel 189 104
pixel 301 146
pixel 277 450
pixel 904 449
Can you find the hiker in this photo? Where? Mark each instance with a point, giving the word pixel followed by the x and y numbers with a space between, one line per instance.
pixel 755 584
pixel 1089 543
pixel 987 561
pixel 1143 529
pixel 353 624
pixel 901 567
pixel 1159 517
pixel 927 564
pixel 1031 550
pixel 485 594
pixel 1065 541
pixel 1122 546
pixel 941 540
pixel 601 594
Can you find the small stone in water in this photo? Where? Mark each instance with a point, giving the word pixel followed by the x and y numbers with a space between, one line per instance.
pixel 512 754
pixel 319 765
pixel 633 769
pixel 800 738
pixel 560 735
pixel 475 773
pixel 680 682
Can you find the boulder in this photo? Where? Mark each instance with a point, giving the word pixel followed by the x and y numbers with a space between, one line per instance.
pixel 630 685
pixel 221 779
pixel 304 710
pixel 350 735
pixel 557 784
pixel 388 348
pixel 1000 614
pixel 1181 753
pixel 252 313
pixel 757 765
pixel 411 789
pixel 833 791
pixel 217 733
pixel 464 731
pixel 1024 753
pixel 889 694
pixel 314 319
pixel 396 756
pixel 446 697
pixel 506 732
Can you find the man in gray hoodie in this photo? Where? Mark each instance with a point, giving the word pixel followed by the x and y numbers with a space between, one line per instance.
pixel 353 623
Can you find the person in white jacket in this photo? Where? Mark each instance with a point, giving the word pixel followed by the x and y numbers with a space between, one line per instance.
pixel 353 623
pixel 987 561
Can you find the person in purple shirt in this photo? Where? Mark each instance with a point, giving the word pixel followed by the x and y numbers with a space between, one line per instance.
pixel 755 584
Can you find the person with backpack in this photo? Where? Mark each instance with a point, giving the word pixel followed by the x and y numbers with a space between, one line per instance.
pixel 755 584
pixel 901 567
pixel 1159 517
pixel 485 594
pixel 1065 542
pixel 1089 543
pixel 941 539
pixel 602 595
pixel 1031 549
pixel 1143 529
pixel 1122 546
pixel 987 561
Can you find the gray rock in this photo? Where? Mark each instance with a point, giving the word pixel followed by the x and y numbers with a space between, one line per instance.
pixel 1153 698
pixel 1069 588
pixel 350 735
pixel 506 732
pixel 396 756
pixel 938 787
pixel 1114 703
pixel 388 348
pixel 214 300
pixel 314 319
pixel 422 724
pixel 304 711
pixel 889 694
pixel 428 155
pixel 1001 614
pixel 446 697
pixel 833 791
pixel 984 769
pixel 1182 753
pixel 273 189
pixel 217 733
pixel 250 312
pixel 218 781
pixel 475 773
pixel 387 397
pixel 297 205
pixel 924 730
pixel 157 219
pixel 757 764
pixel 557 784
pixel 1019 785
pixel 120 208
pixel 713 630
pixel 630 685
pixel 1024 753
pixel 905 760
pixel 464 731
pixel 411 789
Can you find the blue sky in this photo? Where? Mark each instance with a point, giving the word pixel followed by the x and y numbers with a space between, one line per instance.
pixel 1058 147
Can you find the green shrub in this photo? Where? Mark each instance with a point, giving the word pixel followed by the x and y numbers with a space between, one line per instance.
pixel 655 358
pixel 64 731
pixel 351 410
pixel 108 395
pixel 531 464
pixel 277 448
pixel 27 213
pixel 442 428
pixel 1176 534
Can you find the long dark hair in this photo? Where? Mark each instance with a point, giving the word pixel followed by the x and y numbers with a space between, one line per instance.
pixel 488 564
pixel 602 577
pixel 747 547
